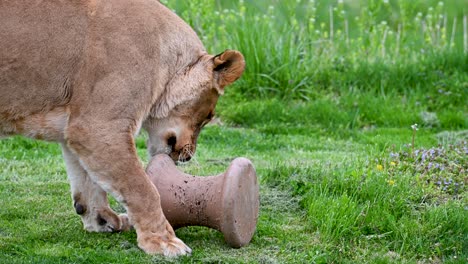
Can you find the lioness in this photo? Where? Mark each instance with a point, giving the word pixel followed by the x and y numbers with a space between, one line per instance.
pixel 89 74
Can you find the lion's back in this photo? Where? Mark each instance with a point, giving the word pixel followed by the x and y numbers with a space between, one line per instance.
pixel 48 50
pixel 40 48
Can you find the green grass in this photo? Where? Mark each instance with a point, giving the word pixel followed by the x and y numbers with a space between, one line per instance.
pixel 323 199
pixel 324 111
pixel 298 49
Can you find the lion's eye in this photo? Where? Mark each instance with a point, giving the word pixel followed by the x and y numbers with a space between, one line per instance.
pixel 207 119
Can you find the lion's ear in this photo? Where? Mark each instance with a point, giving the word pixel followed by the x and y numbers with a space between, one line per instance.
pixel 227 67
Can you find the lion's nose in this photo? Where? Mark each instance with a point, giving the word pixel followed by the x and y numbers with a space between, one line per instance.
pixel 171 142
pixel 185 159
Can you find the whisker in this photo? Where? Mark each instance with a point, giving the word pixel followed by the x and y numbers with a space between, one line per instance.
pixel 179 158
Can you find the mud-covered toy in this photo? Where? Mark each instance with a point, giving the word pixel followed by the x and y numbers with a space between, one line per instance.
pixel 228 202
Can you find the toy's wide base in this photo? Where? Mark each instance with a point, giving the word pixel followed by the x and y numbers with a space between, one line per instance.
pixel 240 203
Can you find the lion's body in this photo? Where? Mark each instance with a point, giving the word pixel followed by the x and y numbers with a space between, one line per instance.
pixel 90 74
pixel 52 56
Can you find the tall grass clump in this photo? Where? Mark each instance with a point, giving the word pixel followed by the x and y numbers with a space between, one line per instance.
pixel 372 63
pixel 295 49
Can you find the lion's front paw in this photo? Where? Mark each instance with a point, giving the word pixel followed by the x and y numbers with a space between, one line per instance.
pixel 166 244
pixel 169 247
pixel 106 220
pixel 125 224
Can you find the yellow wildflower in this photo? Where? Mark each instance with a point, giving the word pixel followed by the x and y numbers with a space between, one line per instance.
pixel 391 182
pixel 379 167
pixel 392 163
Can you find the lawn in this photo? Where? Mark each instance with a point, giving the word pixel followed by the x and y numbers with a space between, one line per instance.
pixel 354 114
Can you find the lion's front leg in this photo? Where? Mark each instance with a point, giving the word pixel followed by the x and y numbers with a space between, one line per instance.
pixel 109 156
pixel 90 200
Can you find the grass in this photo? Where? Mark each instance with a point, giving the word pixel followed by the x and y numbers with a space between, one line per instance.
pixel 325 111
pixel 323 199
pixel 298 50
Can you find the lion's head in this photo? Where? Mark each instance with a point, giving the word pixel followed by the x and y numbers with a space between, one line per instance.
pixel 188 104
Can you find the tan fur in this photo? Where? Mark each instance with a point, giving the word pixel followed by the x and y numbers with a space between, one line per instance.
pixel 90 74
